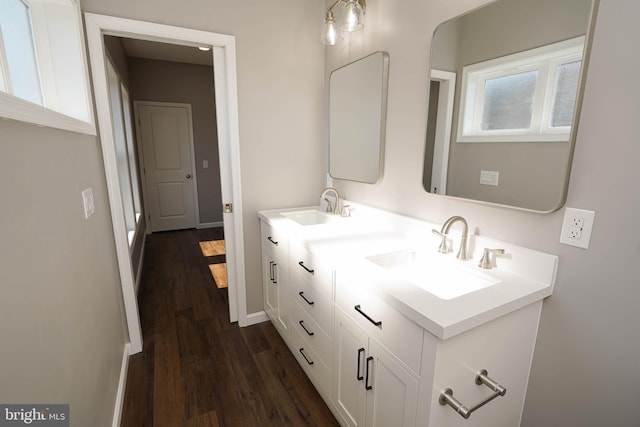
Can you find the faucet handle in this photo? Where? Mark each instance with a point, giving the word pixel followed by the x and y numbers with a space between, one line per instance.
pixel 486 261
pixel 444 248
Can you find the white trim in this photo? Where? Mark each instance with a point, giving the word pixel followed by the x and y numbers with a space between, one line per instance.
pixel 442 139
pixel 210 224
pixel 258 317
pixel 122 385
pixel 224 66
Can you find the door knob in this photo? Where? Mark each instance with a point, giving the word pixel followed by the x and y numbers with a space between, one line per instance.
pixel 189 176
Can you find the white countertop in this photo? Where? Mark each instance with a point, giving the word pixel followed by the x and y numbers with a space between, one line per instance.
pixel 525 275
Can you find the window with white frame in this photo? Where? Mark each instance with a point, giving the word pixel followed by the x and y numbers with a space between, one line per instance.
pixel 43 73
pixel 527 96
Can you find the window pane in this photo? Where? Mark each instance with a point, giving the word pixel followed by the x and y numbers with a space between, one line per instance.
pixel 564 97
pixel 15 23
pixel 508 101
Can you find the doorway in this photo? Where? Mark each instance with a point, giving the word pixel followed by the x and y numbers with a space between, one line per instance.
pixel 223 51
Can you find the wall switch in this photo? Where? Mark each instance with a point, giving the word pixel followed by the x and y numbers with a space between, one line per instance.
pixel 576 227
pixel 489 177
pixel 205 164
pixel 87 200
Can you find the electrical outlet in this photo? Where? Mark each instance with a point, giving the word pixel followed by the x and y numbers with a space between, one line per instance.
pixel 576 227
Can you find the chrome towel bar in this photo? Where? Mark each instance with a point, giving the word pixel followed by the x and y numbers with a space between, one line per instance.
pixel 446 396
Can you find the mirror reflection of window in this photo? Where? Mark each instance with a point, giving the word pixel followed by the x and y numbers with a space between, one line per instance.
pixel 527 96
pixel 19 68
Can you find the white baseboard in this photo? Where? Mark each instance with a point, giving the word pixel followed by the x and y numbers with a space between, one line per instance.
pixel 122 384
pixel 255 318
pixel 210 224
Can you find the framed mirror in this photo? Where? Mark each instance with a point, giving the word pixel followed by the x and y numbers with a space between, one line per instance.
pixel 357 118
pixel 505 91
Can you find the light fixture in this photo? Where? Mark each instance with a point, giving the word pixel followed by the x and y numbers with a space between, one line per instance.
pixel 350 20
pixel 204 48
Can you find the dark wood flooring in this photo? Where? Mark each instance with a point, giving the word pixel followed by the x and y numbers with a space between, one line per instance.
pixel 196 368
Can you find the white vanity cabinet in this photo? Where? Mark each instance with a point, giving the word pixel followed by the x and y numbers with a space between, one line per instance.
pixel 275 272
pixel 381 350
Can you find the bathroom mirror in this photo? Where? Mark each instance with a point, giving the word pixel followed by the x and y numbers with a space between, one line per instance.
pixel 505 92
pixel 357 118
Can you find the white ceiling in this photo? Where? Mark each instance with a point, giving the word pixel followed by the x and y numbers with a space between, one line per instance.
pixel 166 52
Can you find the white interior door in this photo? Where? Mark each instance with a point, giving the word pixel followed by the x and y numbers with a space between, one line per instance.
pixel 165 133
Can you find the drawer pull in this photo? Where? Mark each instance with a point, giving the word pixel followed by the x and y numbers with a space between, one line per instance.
pixel 359 376
pixel 305 328
pixel 446 396
pixel 310 362
pixel 366 381
pixel 305 299
pixel 272 241
pixel 301 264
pixel 377 323
pixel 274 272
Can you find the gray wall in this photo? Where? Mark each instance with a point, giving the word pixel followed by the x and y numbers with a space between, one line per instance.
pixel 165 81
pixel 586 369
pixel 61 322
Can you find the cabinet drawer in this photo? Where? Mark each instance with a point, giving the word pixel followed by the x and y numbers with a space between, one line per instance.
pixel 398 334
pixel 313 334
pixel 315 303
pixel 312 364
pixel 319 275
pixel 274 241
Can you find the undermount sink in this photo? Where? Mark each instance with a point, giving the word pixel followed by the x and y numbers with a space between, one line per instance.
pixel 446 279
pixel 309 217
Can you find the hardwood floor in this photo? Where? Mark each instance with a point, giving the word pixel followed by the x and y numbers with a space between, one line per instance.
pixel 197 369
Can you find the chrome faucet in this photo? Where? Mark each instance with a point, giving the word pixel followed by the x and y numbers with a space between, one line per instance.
pixel 444 231
pixel 336 208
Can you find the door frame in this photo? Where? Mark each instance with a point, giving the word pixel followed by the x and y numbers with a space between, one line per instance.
pixel 192 154
pixel 442 139
pixel 225 84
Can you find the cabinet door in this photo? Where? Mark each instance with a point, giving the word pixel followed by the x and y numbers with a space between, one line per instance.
pixel 349 393
pixel 269 285
pixel 392 397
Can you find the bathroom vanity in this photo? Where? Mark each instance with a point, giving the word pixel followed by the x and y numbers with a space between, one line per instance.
pixel 393 333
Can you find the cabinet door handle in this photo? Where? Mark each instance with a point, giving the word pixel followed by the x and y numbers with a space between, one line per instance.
pixel 301 264
pixel 366 381
pixel 272 241
pixel 310 362
pixel 359 310
pixel 305 328
pixel 271 270
pixel 275 273
pixel 359 376
pixel 304 298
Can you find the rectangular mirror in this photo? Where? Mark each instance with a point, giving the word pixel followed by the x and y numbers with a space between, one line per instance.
pixel 357 118
pixel 505 91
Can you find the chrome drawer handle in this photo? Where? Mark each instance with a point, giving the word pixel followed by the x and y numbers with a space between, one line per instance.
pixel 377 323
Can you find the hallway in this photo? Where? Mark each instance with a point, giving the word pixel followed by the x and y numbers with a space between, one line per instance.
pixel 197 369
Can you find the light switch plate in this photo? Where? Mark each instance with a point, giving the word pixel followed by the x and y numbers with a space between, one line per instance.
pixel 87 200
pixel 489 177
pixel 576 227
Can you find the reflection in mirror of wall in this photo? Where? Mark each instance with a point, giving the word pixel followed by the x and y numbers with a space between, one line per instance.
pixel 357 118
pixel 505 92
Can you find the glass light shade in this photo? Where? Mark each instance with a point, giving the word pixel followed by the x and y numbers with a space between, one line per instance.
pixel 330 32
pixel 352 16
